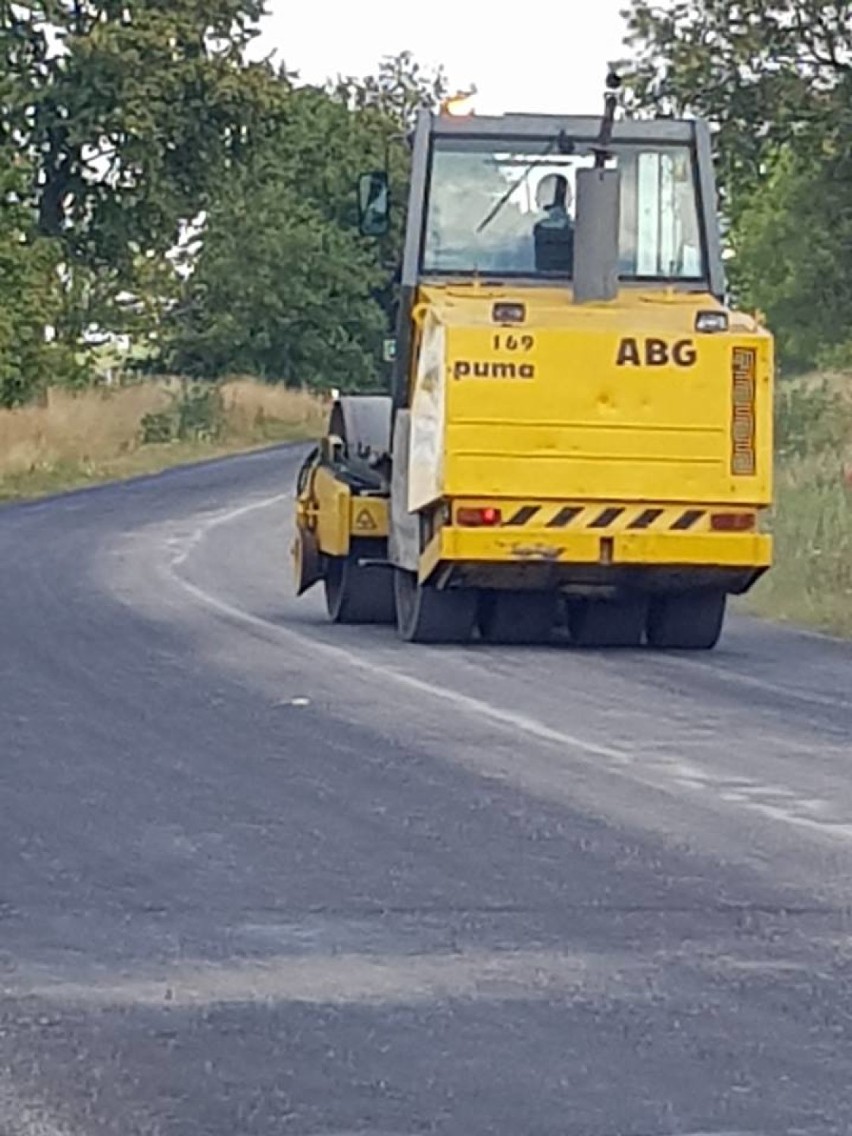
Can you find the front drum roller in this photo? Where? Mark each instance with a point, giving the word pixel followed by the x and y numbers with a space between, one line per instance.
pixel 358 594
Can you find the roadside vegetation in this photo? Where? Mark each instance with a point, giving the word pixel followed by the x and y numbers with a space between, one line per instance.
pixel 811 582
pixel 68 439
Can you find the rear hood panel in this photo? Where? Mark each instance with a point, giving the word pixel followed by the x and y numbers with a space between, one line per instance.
pixel 603 403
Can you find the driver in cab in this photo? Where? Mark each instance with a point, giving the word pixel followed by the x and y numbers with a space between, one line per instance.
pixel 553 234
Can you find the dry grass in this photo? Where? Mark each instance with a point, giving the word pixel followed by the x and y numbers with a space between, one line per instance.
pixel 88 428
pixel 70 440
pixel 257 412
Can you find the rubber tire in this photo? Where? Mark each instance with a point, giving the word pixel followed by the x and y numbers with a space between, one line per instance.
pixel 358 595
pixel 522 618
pixel 607 623
pixel 426 615
pixel 686 621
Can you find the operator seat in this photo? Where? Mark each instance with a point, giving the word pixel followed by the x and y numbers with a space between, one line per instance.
pixel 554 233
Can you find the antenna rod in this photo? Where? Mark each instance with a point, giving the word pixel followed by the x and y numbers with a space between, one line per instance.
pixel 602 150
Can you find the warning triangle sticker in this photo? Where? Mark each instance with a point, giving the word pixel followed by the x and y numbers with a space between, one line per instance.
pixel 364 521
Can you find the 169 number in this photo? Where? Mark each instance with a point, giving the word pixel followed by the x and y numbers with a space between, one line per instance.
pixel 511 342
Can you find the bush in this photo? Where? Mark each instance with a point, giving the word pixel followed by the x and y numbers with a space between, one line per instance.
pixel 197 414
pixel 811 580
pixel 811 418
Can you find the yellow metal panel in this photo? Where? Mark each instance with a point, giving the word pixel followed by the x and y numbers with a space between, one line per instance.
pixel 621 400
pixel 748 550
pixel 498 544
pixel 430 558
pixel 332 513
pixel 368 516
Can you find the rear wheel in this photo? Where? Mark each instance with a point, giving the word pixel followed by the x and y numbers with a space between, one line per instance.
pixel 426 615
pixel 517 617
pixel 690 621
pixel 358 595
pixel 607 623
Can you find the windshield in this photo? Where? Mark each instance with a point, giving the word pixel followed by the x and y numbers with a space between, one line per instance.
pixel 509 208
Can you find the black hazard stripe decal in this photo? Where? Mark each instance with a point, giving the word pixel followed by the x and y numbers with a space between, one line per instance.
pixel 606 518
pixel 565 517
pixel 688 519
pixel 646 519
pixel 602 518
pixel 523 516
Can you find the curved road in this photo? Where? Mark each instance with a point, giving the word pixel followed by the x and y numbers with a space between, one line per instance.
pixel 262 875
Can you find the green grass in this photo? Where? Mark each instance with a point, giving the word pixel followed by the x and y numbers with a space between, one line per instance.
pixel 810 582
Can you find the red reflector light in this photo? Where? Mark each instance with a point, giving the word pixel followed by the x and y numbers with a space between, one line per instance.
pixel 478 518
pixel 732 522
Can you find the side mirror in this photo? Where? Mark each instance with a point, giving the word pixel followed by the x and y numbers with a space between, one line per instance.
pixel 373 204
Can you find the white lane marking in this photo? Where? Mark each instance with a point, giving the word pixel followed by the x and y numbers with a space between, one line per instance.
pixel 183 547
pixel 348 978
pixel 773 802
pixel 463 701
pixel 756 683
pixel 340 654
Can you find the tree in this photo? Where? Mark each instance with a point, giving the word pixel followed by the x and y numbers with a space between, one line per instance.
pixel 287 299
pixel 774 79
pixel 31 299
pixel 398 90
pixel 282 284
pixel 794 246
pixel 764 73
pixel 126 111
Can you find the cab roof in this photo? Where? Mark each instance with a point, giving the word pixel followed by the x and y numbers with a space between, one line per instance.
pixel 660 130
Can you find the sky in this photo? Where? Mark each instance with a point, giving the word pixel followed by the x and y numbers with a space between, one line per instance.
pixel 549 57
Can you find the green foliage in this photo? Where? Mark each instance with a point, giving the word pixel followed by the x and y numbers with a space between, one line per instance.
pixel 283 285
pixel 795 255
pixel 763 72
pixel 812 420
pixel 125 114
pixel 279 291
pixel 811 581
pixel 130 125
pixel 397 91
pixel 128 111
pixel 196 414
pixel 30 300
pixel 774 79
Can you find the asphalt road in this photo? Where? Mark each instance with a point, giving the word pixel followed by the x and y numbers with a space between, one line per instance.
pixel 260 875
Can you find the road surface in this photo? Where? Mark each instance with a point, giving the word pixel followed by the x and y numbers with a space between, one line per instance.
pixel 260 875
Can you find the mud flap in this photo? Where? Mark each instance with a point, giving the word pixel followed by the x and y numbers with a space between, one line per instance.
pixel 307 561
